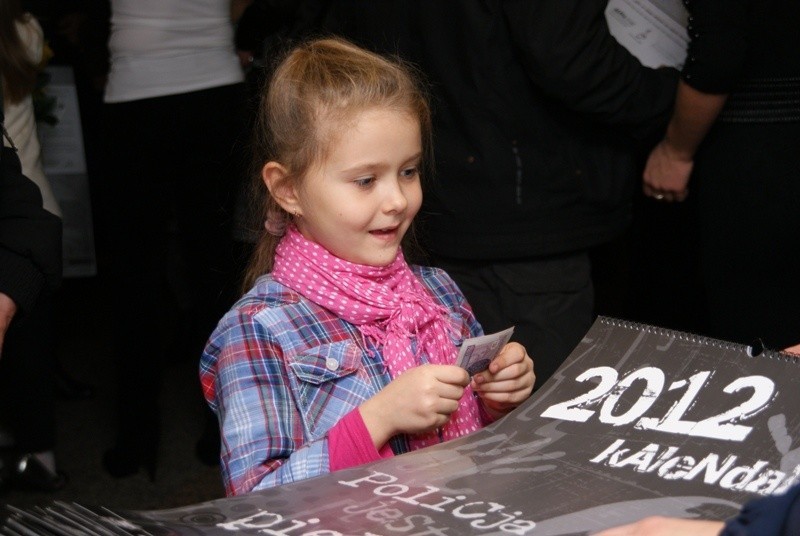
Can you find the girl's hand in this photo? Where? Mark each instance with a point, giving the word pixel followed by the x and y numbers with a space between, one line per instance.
pixel 419 400
pixel 507 382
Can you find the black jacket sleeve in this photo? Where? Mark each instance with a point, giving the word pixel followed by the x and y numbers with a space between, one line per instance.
pixel 718 44
pixel 571 56
pixel 30 236
pixel 777 515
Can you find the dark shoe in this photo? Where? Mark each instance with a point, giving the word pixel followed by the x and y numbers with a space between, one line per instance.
pixel 122 462
pixel 29 474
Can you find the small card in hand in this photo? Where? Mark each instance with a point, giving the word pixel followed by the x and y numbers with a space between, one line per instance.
pixel 476 353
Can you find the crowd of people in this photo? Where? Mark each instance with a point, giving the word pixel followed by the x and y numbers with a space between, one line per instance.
pixel 361 204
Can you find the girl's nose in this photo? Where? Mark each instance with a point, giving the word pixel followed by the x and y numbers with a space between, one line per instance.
pixel 396 200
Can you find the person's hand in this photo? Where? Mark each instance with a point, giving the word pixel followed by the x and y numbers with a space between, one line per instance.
pixel 793 349
pixel 419 400
pixel 7 311
pixel 666 526
pixel 246 58
pixel 507 382
pixel 666 174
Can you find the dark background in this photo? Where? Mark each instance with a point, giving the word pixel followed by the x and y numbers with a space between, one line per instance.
pixel 86 427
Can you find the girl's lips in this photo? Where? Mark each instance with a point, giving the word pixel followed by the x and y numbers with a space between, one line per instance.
pixel 384 233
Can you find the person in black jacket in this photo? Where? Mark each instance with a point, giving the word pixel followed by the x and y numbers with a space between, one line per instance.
pixel 732 142
pixel 30 270
pixel 540 122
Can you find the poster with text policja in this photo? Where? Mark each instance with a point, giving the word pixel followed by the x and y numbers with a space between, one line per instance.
pixel 638 421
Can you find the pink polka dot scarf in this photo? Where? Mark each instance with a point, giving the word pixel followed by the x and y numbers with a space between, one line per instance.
pixel 389 306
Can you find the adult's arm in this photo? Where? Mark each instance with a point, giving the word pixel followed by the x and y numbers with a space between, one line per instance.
pixel 30 242
pixel 671 161
pixel 7 311
pixel 570 55
pixel 30 237
pixel 666 526
pixel 715 62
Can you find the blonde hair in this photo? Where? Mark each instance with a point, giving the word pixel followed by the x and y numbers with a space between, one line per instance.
pixel 319 85
pixel 17 70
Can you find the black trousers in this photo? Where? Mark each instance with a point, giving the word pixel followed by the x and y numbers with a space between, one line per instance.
pixel 173 166
pixel 748 188
pixel 725 262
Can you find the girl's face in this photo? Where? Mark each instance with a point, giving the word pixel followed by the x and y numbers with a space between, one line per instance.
pixel 360 200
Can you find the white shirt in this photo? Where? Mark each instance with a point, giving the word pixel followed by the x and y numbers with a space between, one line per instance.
pixel 166 47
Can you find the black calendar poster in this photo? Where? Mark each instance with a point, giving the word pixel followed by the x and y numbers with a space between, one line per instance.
pixel 638 421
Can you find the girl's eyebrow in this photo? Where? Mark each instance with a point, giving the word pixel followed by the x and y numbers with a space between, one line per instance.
pixel 369 166
pixel 415 157
pixel 360 168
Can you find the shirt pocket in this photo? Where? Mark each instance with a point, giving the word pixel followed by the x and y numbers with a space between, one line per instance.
pixel 330 382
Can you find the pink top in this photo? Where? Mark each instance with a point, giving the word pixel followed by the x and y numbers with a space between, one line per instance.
pixel 350 445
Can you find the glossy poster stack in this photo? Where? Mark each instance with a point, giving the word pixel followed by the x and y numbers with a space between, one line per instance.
pixel 638 421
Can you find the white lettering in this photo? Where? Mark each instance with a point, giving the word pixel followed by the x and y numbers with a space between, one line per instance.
pixel 374 478
pixel 603 455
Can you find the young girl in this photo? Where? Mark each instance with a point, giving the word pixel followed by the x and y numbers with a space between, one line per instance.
pixel 342 353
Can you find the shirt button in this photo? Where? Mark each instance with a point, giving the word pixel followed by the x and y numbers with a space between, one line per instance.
pixel 331 364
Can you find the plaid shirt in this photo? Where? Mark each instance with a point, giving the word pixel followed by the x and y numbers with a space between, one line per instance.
pixel 279 371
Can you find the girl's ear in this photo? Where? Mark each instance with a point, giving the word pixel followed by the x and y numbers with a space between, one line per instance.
pixel 275 176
